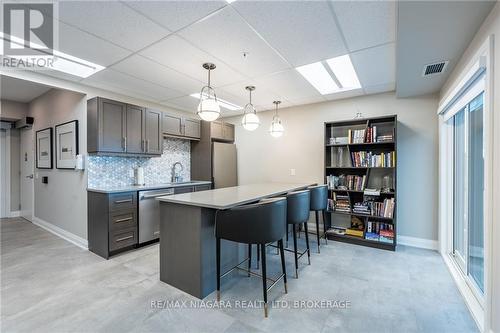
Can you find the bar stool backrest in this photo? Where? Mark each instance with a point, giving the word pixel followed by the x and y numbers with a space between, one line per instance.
pixel 298 207
pixel 319 197
pixel 258 223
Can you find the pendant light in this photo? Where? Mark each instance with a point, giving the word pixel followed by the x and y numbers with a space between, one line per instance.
pixel 208 109
pixel 250 119
pixel 276 128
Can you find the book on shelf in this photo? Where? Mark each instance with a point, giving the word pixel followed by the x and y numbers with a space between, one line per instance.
pixel 361 208
pixel 385 138
pixel 379 231
pixel 336 230
pixel 382 209
pixel 349 182
pixel 339 140
pixel 371 192
pixel 356 136
pixel 357 227
pixel 371 134
pixel 356 183
pixel 341 203
pixel 370 159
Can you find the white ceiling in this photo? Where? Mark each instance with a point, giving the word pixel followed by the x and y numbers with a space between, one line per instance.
pixel 154 49
pixel 16 90
pixel 432 31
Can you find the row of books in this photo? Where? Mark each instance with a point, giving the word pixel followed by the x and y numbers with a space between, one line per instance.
pixel 383 209
pixel 341 203
pixel 378 231
pixel 369 159
pixel 362 208
pixel 385 138
pixel 356 136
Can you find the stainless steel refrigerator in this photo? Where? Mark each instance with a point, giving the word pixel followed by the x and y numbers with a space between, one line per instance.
pixel 224 165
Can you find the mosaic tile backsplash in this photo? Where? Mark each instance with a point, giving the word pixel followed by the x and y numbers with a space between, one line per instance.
pixel 113 171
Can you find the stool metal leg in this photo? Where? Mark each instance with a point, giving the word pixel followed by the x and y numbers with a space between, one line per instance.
pixel 324 227
pixel 218 267
pixel 258 255
pixel 307 243
pixel 283 266
pixel 264 277
pixel 287 230
pixel 295 252
pixel 317 227
pixel 249 258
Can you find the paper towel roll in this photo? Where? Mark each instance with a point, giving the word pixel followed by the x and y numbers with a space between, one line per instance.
pixel 139 176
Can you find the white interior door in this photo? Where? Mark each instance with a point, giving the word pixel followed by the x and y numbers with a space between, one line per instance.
pixel 27 169
pixel 4 174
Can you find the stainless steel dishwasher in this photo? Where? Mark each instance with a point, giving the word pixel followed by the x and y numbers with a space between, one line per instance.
pixel 149 213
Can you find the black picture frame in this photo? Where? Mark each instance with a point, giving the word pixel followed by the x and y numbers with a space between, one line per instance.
pixel 76 143
pixel 51 153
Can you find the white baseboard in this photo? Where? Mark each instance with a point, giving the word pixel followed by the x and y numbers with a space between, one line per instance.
pixel 66 235
pixel 16 213
pixel 423 243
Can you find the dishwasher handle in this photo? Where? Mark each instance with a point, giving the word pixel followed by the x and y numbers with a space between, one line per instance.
pixel 151 196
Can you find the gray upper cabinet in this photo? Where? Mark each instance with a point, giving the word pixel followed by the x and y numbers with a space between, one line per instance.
pixel 153 132
pixel 135 124
pixel 172 124
pixel 106 125
pixel 228 131
pixel 217 130
pixel 192 127
pixel 119 128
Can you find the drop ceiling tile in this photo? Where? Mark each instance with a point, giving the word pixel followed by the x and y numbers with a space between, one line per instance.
pixel 380 88
pixel 112 21
pixel 345 94
pixel 366 23
pixel 149 70
pixel 302 31
pixel 226 36
pixel 175 15
pixel 176 53
pixel 88 47
pixel 308 100
pixel 376 65
pixel 289 84
pixel 124 84
pixel 184 103
pixel 260 96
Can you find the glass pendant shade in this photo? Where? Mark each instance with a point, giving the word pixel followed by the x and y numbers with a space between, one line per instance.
pixel 209 108
pixel 276 128
pixel 250 119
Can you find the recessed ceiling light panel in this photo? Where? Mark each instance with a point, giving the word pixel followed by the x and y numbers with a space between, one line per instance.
pixel 344 71
pixel 318 76
pixel 222 103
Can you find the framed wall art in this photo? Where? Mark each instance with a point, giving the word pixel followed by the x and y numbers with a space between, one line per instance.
pixel 66 145
pixel 44 148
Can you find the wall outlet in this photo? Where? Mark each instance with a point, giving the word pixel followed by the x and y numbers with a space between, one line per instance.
pixel 292 172
pixel 131 173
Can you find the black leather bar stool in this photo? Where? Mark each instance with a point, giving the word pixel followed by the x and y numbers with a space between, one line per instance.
pixel 319 203
pixel 298 204
pixel 260 223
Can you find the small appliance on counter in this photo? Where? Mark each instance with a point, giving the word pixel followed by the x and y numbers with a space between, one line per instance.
pixel 139 176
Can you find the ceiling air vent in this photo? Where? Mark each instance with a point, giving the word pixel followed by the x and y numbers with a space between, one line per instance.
pixel 435 68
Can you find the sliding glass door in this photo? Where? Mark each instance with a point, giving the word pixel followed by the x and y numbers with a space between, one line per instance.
pixel 468 204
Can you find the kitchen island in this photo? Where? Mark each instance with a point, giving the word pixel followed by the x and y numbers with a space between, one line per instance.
pixel 187 243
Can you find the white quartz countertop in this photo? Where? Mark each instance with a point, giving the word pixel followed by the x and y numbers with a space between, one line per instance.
pixel 225 198
pixel 130 188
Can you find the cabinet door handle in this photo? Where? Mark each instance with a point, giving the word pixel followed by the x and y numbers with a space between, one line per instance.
pixel 147 146
pixel 124 143
pixel 124 238
pixel 123 220
pixel 123 201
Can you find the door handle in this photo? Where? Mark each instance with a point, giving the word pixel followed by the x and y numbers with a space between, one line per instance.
pixel 147 146
pixel 30 176
pixel 123 220
pixel 124 238
pixel 122 201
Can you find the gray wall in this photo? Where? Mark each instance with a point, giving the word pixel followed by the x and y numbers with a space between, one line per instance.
pixel 63 201
pixel 262 158
pixel 491 26
pixel 11 110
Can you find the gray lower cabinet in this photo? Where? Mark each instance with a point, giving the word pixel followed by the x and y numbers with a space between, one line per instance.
pixel 199 188
pixel 118 128
pixel 112 222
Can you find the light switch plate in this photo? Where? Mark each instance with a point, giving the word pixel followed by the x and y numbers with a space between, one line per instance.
pixel 292 172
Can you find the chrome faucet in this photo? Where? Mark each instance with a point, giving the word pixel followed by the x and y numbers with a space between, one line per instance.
pixel 175 175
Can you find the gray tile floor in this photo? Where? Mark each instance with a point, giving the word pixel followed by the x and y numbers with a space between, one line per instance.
pixel 50 285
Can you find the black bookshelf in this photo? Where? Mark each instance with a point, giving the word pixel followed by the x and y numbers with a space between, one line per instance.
pixel 336 166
